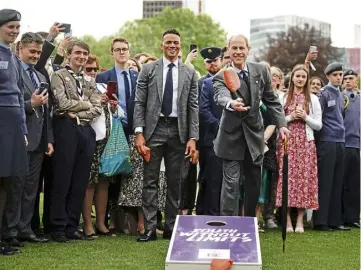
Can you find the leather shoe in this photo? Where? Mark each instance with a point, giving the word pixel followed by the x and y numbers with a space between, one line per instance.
pixel 78 236
pixel 353 225
pixel 57 237
pixel 147 236
pixel 32 238
pixel 340 228
pixel 322 228
pixel 167 235
pixel 13 242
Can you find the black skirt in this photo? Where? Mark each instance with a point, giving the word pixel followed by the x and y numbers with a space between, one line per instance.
pixel 13 155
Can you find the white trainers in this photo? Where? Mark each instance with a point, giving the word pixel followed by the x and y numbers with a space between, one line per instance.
pixel 270 224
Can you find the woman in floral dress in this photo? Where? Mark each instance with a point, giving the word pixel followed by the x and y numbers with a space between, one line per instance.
pixel 303 115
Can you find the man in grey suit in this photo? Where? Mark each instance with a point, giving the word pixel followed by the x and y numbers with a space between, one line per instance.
pixel 166 122
pixel 20 203
pixel 240 135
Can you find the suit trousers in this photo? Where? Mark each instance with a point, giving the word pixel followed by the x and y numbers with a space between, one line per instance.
pixel 351 186
pixel 21 199
pixel 330 182
pixel 164 142
pixel 74 150
pixel 210 190
pixel 229 205
pixel 5 187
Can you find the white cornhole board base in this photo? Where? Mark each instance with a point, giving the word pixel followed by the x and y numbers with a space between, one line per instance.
pixel 195 243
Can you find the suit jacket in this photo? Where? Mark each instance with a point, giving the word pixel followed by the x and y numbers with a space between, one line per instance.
pixel 111 75
pixel 209 112
pixel 238 130
pixel 149 96
pixel 38 120
pixel 201 142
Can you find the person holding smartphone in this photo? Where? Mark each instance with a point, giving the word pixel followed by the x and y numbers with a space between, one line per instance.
pixel 20 203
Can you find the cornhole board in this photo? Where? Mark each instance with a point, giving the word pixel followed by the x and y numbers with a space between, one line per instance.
pixel 197 240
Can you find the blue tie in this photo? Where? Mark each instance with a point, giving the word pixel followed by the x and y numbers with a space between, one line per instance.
pixel 244 77
pixel 127 90
pixel 167 103
pixel 32 77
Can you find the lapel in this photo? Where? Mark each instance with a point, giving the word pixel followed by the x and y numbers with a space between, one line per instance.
pixel 133 80
pixel 159 77
pixel 254 82
pixel 113 75
pixel 181 77
pixel 27 81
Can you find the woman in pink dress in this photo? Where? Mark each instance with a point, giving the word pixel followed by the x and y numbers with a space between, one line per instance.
pixel 303 116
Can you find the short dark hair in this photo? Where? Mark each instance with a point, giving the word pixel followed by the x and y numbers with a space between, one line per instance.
pixel 223 50
pixel 123 40
pixel 30 37
pixel 78 43
pixel 44 35
pixel 171 31
pixel 139 55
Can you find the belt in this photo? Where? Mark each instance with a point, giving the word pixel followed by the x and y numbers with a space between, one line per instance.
pixel 168 118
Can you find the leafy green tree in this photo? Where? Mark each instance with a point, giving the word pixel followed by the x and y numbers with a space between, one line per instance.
pixel 290 48
pixel 145 35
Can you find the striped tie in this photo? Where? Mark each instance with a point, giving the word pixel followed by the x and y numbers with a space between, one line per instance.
pixel 32 77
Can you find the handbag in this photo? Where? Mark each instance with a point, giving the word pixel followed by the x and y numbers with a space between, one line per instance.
pixel 115 159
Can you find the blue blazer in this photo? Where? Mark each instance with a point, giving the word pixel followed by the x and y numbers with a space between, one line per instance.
pixel 111 75
pixel 210 112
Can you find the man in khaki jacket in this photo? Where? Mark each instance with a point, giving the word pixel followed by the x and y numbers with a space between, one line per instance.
pixel 76 104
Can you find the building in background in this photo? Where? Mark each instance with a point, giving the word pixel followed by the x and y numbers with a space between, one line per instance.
pixel 151 8
pixel 261 28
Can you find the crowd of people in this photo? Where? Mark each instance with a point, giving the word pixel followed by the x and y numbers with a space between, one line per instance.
pixel 182 131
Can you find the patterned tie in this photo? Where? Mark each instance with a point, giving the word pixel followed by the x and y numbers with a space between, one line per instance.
pixel 127 89
pixel 245 77
pixel 167 103
pixel 32 77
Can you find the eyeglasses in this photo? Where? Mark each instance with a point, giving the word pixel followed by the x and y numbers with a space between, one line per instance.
pixel 90 69
pixel 118 50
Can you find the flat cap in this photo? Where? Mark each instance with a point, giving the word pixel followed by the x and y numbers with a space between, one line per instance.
pixel 336 66
pixel 350 72
pixel 211 53
pixel 8 15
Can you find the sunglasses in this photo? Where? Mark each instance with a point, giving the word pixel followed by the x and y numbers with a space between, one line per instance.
pixel 90 69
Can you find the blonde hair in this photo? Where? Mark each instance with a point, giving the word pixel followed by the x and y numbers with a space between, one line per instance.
pixel 278 72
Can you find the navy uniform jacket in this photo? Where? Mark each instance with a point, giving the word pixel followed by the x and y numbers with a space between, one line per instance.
pixel 210 112
pixel 200 142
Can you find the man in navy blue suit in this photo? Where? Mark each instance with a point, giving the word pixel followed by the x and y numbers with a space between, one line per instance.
pixel 126 81
pixel 210 182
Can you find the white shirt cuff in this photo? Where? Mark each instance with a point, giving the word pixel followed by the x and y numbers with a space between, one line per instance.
pixel 138 130
pixel 228 106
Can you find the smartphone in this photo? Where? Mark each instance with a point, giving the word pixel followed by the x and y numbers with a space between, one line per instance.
pixel 313 49
pixel 43 87
pixel 193 47
pixel 111 89
pixel 67 28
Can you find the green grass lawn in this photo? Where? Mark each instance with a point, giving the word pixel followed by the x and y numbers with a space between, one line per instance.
pixel 311 250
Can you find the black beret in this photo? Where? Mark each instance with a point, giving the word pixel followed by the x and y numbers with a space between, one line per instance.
pixel 211 53
pixel 333 67
pixel 8 15
pixel 350 72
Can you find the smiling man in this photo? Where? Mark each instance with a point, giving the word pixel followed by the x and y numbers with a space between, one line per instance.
pixel 166 121
pixel 76 105
pixel 20 203
pixel 240 137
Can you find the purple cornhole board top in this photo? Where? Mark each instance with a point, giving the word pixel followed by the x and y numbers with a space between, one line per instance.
pixel 194 241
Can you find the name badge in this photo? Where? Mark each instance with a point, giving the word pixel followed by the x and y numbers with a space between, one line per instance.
pixel 331 103
pixel 4 64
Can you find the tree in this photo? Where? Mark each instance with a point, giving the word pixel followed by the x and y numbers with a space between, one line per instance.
pixel 145 35
pixel 290 48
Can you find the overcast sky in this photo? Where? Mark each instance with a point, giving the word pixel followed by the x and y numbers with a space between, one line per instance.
pixel 105 17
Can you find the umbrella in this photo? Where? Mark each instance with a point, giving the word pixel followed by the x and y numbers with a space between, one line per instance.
pixel 284 191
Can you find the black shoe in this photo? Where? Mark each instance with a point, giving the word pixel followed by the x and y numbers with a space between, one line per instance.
pixel 78 236
pixel 13 242
pixel 322 228
pixel 32 238
pixel 147 236
pixel 99 232
pixel 340 228
pixel 167 234
pixel 60 238
pixel 5 249
pixel 353 225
